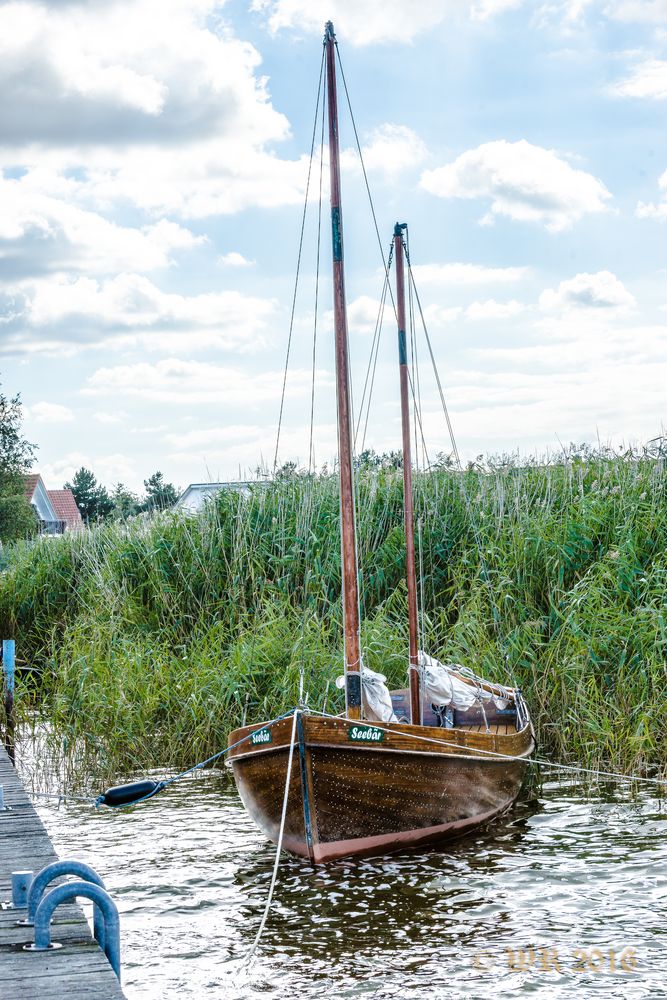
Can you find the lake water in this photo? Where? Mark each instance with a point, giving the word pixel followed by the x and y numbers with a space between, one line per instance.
pixel 565 897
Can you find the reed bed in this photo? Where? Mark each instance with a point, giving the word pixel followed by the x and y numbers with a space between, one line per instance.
pixel 148 641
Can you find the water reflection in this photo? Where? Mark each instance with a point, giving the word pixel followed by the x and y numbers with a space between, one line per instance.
pixel 568 878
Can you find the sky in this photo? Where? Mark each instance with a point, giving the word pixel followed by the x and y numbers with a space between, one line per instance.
pixel 154 158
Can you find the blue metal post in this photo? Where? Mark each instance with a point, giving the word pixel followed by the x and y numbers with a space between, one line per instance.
pixel 8 670
pixel 55 870
pixel 102 901
pixel 21 882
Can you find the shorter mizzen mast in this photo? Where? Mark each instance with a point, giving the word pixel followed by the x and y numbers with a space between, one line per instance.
pixel 408 505
pixel 347 514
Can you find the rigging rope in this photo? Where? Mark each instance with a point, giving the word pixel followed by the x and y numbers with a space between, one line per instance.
pixel 502 637
pixel 363 167
pixel 308 512
pixel 433 362
pixel 298 264
pixel 311 452
pixel 372 359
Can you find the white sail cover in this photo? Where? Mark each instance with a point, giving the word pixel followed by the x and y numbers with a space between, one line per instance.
pixel 375 697
pixel 442 687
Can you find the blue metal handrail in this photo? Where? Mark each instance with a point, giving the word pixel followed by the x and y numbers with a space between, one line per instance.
pixel 55 870
pixel 103 903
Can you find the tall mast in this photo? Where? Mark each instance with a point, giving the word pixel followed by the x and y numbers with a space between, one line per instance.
pixel 408 506
pixel 347 521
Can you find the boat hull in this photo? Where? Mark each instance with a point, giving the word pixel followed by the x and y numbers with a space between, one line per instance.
pixel 415 786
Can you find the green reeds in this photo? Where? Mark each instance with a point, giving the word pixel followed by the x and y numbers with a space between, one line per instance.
pixel 152 639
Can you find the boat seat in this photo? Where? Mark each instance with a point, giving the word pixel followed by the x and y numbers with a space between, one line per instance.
pixel 501 721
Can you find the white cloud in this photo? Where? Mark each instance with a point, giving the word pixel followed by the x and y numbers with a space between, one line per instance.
pixel 366 22
pixel 651 210
pixel 438 316
pixel 494 310
pixel 601 290
pixel 128 72
pixel 129 101
pixel 362 314
pixel 126 311
pixel 189 382
pixel 50 413
pixel 523 182
pixel 593 376
pixel 234 259
pixel 109 418
pixel 214 436
pixel 215 177
pixel 42 230
pixel 389 148
pixel 247 446
pixel 574 9
pixel 108 469
pixel 569 12
pixel 466 274
pixel 480 10
pixel 648 79
pixel 647 11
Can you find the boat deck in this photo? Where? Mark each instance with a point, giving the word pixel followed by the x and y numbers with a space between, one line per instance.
pixel 495 728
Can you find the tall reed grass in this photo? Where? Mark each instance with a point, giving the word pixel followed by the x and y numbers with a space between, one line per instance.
pixel 150 640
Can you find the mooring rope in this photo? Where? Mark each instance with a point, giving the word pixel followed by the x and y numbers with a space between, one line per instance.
pixel 161 785
pixel 253 948
pixel 503 756
pixel 572 768
pixel 61 796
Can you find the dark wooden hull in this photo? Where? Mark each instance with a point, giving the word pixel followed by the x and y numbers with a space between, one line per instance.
pixel 372 799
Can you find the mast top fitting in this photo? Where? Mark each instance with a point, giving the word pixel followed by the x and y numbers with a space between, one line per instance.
pixel 399 227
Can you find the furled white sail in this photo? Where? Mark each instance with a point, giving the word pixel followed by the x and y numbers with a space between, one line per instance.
pixel 442 687
pixel 375 697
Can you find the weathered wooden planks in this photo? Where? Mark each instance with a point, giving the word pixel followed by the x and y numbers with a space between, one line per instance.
pixel 78 969
pixel 412 785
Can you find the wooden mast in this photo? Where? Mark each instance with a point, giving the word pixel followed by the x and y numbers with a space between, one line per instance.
pixel 408 506
pixel 347 518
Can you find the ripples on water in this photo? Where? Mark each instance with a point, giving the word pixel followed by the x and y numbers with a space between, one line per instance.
pixel 576 878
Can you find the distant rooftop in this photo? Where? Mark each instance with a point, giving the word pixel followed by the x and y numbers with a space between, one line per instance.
pixel 195 496
pixel 31 484
pixel 65 507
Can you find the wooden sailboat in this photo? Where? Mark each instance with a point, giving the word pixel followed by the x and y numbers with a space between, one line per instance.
pixel 359 788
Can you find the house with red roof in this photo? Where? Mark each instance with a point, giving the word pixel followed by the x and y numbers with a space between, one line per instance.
pixel 65 507
pixel 56 510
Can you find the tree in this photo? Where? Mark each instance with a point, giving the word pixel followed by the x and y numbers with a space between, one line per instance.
pixel 92 499
pixel 125 503
pixel 17 517
pixel 369 459
pixel 159 495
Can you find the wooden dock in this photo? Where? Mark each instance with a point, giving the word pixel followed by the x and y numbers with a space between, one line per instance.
pixel 78 969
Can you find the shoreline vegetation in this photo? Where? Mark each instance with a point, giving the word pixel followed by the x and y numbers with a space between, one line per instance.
pixel 149 640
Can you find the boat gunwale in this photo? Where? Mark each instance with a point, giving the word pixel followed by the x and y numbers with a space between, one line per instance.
pixel 459 750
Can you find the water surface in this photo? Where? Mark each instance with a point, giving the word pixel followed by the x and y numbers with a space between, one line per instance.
pixel 567 896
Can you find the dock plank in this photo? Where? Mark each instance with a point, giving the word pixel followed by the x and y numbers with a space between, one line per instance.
pixel 78 969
